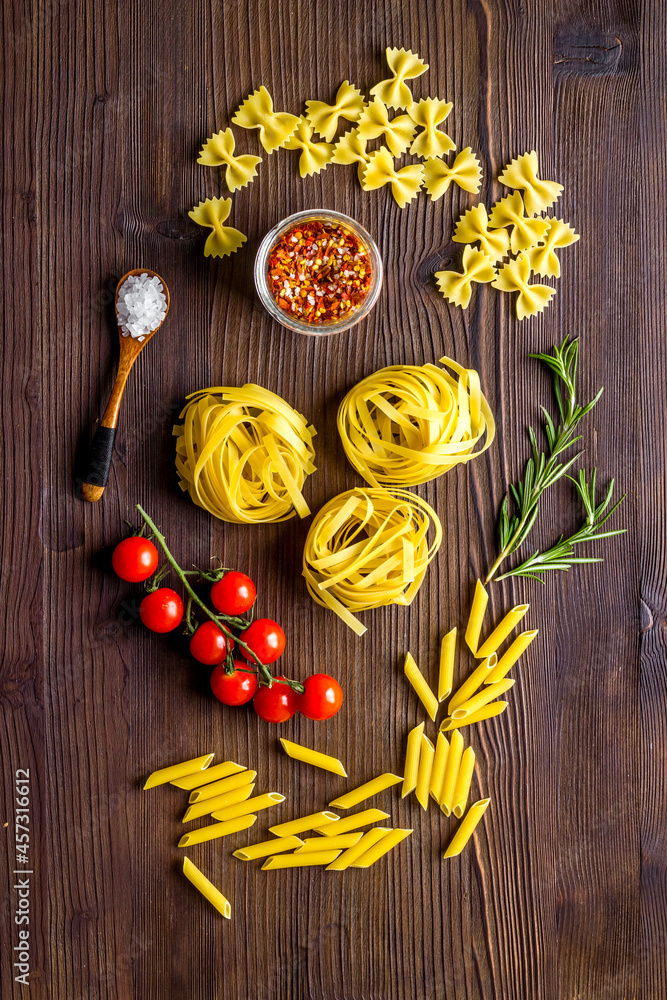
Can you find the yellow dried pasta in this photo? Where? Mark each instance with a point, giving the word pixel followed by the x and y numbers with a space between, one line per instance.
pixel 211 214
pixel 350 148
pixel 522 173
pixel 456 286
pixel 374 123
pixel 368 548
pixel 526 232
pixel 405 183
pixel 324 117
pixel 244 454
pixel 543 259
pixel 218 151
pixel 275 127
pixel 465 171
pixel 314 155
pixel 428 114
pixel 513 277
pixel 473 227
pixel 404 65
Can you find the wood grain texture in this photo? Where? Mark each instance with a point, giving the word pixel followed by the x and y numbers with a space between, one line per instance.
pixel 562 895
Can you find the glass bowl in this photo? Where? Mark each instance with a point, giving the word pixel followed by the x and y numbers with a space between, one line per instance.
pixel 292 322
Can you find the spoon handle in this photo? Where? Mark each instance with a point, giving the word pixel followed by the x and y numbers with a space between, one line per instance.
pixel 98 464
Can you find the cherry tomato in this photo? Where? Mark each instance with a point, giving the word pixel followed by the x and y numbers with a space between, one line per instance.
pixel 208 644
pixel 234 594
pixel 265 638
pixel 321 698
pixel 161 610
pixel 135 559
pixel 233 689
pixel 277 703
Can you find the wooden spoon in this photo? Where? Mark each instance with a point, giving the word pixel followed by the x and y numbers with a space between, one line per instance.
pixel 99 460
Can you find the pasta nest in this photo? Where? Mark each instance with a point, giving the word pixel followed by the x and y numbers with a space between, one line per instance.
pixel 243 454
pixel 409 424
pixel 368 548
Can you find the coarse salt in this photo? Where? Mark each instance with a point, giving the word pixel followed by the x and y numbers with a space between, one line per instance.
pixel 141 306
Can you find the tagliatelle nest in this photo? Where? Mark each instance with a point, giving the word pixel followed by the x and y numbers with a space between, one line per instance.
pixel 408 424
pixel 243 454
pixel 368 548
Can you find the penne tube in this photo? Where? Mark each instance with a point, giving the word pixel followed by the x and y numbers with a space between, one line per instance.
pixel 502 630
pixel 420 685
pixel 383 847
pixel 353 822
pixel 426 755
pixel 465 830
pixel 446 670
pixel 463 782
pixel 482 698
pixel 510 656
pixel 255 804
pixel 476 617
pixel 412 760
pixel 452 766
pixel 366 791
pixel 218 788
pixel 472 684
pixel 214 773
pixel 314 757
pixel 208 806
pixel 207 888
pixel 438 769
pixel 167 774
pixel 307 860
pixel 347 858
pixel 488 712
pixel 215 830
pixel 303 823
pixel 330 843
pixel 262 850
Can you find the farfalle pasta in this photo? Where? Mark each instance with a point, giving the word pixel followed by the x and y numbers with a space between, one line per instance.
pixel 465 171
pixel 473 227
pixel 211 214
pixel 275 127
pixel 374 123
pixel 513 277
pixel 522 173
pixel 456 286
pixel 218 151
pixel 526 232
pixel 404 65
pixel 543 259
pixel 314 155
pixel 324 117
pixel 405 183
pixel 431 142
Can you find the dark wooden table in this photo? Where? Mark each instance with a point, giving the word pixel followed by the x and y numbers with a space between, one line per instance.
pixel 562 893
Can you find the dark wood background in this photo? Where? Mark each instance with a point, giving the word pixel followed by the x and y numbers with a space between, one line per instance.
pixel 563 892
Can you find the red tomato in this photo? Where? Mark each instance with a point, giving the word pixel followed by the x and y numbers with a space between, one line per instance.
pixel 208 644
pixel 233 689
pixel 135 559
pixel 277 703
pixel 321 698
pixel 161 610
pixel 265 638
pixel 234 594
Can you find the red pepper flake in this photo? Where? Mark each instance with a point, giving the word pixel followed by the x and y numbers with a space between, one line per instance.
pixel 319 272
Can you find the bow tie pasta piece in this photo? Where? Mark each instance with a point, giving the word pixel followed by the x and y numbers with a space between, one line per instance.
pixel 218 151
pixel 457 287
pixel 428 114
pixel 473 227
pixel 314 155
pixel 513 277
pixel 405 183
pixel 374 123
pixel 543 260
pixel 526 232
pixel 211 214
pixel 522 173
pixel 404 65
pixel 275 127
pixel 324 117
pixel 465 171
pixel 350 148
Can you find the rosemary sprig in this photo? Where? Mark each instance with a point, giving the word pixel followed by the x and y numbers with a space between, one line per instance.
pixel 561 555
pixel 544 468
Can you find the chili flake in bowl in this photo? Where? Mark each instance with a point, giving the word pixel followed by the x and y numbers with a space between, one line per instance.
pixel 318 272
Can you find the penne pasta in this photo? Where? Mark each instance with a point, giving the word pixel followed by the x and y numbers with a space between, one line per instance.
pixel 502 630
pixel 383 847
pixel 472 684
pixel 463 782
pixel 330 843
pixel 207 888
pixel 255 804
pixel 465 830
pixel 488 712
pixel 314 757
pixel 426 755
pixel 266 847
pixel 510 656
pixel 200 778
pixel 438 769
pixel 218 788
pixel 303 823
pixel 363 818
pixel 412 760
pixel 366 791
pixel 446 671
pixel 481 699
pixel 452 766
pixel 167 774
pixel 307 860
pixel 370 839
pixel 476 617
pixel 208 806
pixel 215 830
pixel 420 685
